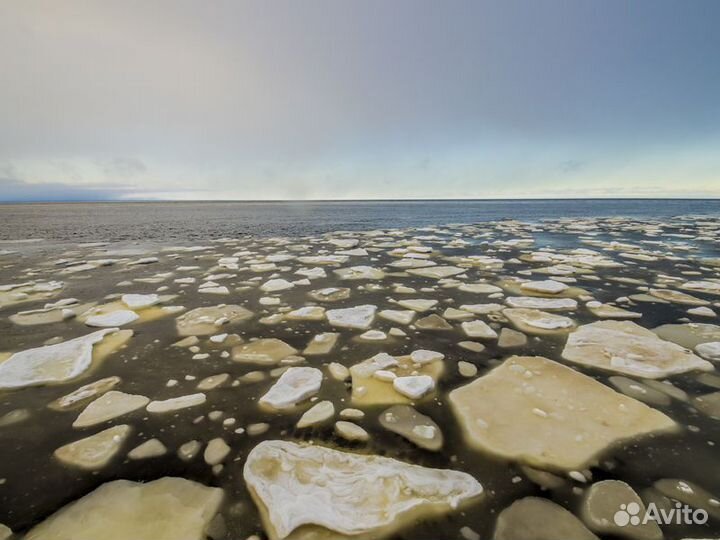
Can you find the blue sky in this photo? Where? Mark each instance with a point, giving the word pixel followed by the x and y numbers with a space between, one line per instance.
pixel 348 99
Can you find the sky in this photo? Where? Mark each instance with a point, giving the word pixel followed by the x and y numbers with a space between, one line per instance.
pixel 351 99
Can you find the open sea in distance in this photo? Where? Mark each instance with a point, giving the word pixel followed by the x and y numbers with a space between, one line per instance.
pixel 205 220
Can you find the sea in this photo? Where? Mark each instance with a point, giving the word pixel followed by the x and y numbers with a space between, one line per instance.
pixel 63 264
pixel 178 221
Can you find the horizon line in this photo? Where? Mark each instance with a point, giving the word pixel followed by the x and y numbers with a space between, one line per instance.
pixel 500 199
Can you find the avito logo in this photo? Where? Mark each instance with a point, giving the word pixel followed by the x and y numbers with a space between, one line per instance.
pixel 630 515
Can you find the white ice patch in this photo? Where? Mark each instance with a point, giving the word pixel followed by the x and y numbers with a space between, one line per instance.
pixel 139 301
pixel 414 386
pixel 295 385
pixel 120 317
pixel 51 363
pixel 360 317
pixel 347 493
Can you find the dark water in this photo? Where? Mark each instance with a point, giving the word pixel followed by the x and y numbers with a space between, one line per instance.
pixel 33 485
pixel 165 221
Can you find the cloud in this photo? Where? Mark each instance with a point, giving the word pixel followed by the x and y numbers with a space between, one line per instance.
pixel 13 190
pixel 325 99
pixel 572 166
pixel 124 167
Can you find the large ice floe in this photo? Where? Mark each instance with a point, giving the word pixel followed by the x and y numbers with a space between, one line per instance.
pixel 548 415
pixel 626 347
pixel 302 488
pixel 165 509
pixel 59 363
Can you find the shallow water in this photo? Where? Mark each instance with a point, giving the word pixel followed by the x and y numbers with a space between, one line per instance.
pixel 34 484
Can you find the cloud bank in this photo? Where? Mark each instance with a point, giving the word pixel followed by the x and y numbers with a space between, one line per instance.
pixel 336 100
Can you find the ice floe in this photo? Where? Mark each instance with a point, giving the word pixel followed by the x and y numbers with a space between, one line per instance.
pixel 626 347
pixel 416 379
pixel 533 518
pixel 109 406
pixel 535 321
pixel 542 413
pixel 349 494
pixel 165 509
pixel 413 426
pixel 206 321
pixel 96 451
pixel 112 319
pixel 294 386
pixel 360 317
pixel 54 364
pixel 176 403
pixel 265 351
pixel 317 414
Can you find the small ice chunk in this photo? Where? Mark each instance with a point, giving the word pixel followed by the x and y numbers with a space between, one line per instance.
pixel 94 452
pixel 139 301
pixel 709 350
pixel 418 304
pixel 548 286
pixel 399 316
pixel 296 384
pixel 318 413
pixel 338 371
pixel 374 335
pixel 478 329
pixel 112 319
pixel 423 356
pixel 414 386
pixel 149 449
pixel 216 451
pixel 350 431
pixel 274 285
pixel 360 317
pixel 176 403
pixel 384 375
pixel 109 406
